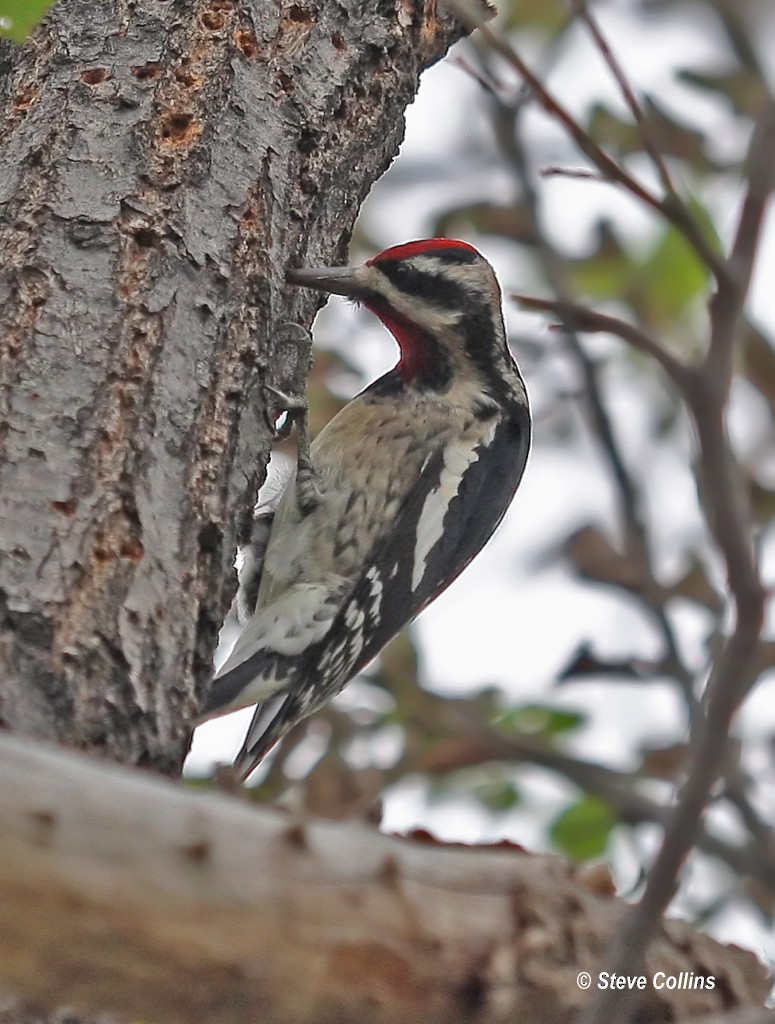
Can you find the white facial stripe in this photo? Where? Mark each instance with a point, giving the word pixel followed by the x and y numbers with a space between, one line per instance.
pixel 473 277
pixel 434 318
pixel 476 277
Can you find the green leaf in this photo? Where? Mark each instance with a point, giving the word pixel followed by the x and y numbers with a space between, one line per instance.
pixel 659 285
pixel 672 277
pixel 19 17
pixel 613 131
pixel 607 271
pixel 540 720
pixel 583 831
pixel 497 796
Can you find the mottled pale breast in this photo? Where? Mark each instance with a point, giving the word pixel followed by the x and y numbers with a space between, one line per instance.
pixel 363 487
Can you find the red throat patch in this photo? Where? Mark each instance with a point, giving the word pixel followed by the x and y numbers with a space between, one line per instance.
pixel 410 341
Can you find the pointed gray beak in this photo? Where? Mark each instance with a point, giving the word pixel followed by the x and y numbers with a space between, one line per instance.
pixel 336 280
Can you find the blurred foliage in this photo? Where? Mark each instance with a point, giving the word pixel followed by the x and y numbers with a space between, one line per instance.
pixel 539 720
pixel 583 830
pixel 660 282
pixel 546 16
pixel 388 730
pixel 622 137
pixel 497 795
pixel 19 17
pixel 512 222
pixel 742 88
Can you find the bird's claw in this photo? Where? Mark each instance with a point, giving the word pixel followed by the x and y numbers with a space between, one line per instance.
pixel 290 406
pixel 308 493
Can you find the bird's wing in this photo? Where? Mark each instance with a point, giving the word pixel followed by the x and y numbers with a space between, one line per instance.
pixel 430 543
pixel 436 537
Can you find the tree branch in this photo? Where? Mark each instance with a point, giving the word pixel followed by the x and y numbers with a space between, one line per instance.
pixel 671 206
pixel 202 907
pixel 727 304
pixel 635 532
pixel 737 666
pixel 636 542
pixel 589 321
pixel 583 11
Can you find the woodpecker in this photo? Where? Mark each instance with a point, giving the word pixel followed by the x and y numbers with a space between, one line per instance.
pixel 394 498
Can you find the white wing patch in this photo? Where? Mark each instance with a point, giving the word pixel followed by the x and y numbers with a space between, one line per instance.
pixel 375 588
pixel 339 658
pixel 458 456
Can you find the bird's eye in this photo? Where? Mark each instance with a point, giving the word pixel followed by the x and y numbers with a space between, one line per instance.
pixel 399 274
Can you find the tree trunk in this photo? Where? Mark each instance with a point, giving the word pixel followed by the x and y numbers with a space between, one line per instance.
pixel 160 165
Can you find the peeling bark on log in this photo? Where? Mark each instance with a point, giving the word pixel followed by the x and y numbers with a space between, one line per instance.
pixel 160 165
pixel 121 891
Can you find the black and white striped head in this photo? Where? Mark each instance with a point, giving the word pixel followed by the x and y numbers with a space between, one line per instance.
pixel 442 302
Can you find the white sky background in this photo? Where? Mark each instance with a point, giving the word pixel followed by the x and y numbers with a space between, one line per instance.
pixel 515 617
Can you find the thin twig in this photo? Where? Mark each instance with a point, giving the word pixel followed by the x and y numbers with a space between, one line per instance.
pixel 578 173
pixel 635 531
pixel 581 8
pixel 732 18
pixel 610 168
pixel 737 666
pixel 671 206
pixel 589 321
pixel 638 547
pixel 728 302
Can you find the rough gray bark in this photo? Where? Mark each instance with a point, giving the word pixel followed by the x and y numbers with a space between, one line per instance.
pixel 123 892
pixel 160 164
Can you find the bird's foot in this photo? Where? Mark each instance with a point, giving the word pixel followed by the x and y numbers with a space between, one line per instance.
pixel 308 491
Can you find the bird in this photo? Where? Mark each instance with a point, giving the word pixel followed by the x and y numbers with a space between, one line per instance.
pixel 391 501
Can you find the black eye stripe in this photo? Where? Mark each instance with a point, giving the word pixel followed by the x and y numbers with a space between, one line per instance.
pixel 437 288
